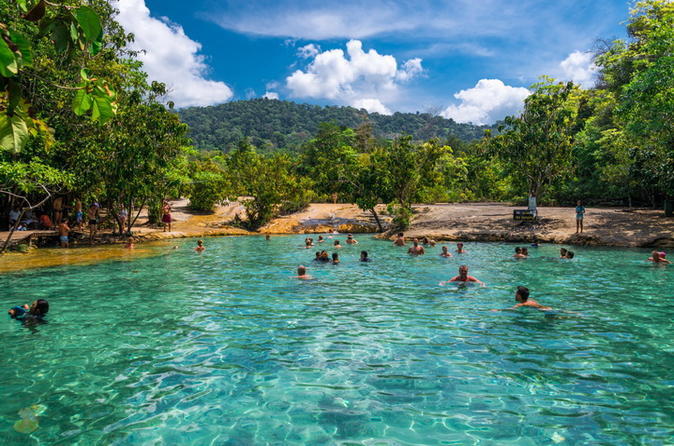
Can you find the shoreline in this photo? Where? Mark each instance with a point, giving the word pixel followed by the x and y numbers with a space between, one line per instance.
pixel 477 222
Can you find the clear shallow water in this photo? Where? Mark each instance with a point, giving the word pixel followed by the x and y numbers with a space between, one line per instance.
pixel 226 348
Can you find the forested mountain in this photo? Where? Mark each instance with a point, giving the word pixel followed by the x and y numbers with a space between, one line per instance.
pixel 274 124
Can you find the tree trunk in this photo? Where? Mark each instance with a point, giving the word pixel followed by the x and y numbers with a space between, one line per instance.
pixel 11 232
pixel 376 218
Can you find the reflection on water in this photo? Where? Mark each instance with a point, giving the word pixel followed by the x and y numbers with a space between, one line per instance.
pixel 226 348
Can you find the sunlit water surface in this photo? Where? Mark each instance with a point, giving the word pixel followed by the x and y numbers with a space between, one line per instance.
pixel 227 348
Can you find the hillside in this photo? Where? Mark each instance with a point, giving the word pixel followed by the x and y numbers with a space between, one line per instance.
pixel 274 124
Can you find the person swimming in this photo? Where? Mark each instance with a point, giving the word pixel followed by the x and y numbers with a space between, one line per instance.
pixel 130 243
pixel 428 242
pixel 416 249
pixel 350 240
pixel 445 252
pixel 318 256
pixel 364 257
pixel 463 277
pixel 522 299
pixel 658 257
pixel 400 240
pixel 36 312
pixel 459 248
pixel 336 245
pixel 324 256
pixel 200 246
pixel 525 251
pixel 267 237
pixel 335 258
pixel 302 273
pixel 519 254
pixel 320 239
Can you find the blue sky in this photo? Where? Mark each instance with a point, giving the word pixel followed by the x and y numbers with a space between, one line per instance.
pixel 467 60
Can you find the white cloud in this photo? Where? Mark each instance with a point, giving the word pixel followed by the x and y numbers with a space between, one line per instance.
pixel 271 95
pixel 487 102
pixel 358 78
pixel 410 69
pixel 170 56
pixel 308 51
pixel 372 105
pixel 580 68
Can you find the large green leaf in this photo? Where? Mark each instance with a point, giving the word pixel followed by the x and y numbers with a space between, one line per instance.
pixel 24 46
pixel 89 22
pixel 103 109
pixel 13 132
pixel 61 36
pixel 82 102
pixel 8 64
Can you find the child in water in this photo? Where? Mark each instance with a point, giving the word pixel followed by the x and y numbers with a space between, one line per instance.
pixel 200 246
pixel 445 252
pixel 364 257
pixel 335 258
pixel 522 299
pixel 37 311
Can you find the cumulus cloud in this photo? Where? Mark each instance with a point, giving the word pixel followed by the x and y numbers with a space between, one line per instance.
pixel 359 78
pixel 580 68
pixel 271 95
pixel 170 56
pixel 487 102
pixel 372 105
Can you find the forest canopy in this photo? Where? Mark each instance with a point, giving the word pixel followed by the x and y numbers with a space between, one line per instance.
pixel 271 124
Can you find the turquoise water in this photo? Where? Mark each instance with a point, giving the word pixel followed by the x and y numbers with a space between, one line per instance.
pixel 226 348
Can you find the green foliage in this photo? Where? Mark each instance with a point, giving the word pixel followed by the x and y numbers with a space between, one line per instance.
pixel 536 146
pixel 273 124
pixel 31 31
pixel 209 186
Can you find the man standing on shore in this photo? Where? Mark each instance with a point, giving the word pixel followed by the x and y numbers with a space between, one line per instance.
pixel 580 213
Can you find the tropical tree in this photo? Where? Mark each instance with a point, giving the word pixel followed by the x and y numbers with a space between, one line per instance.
pixel 536 146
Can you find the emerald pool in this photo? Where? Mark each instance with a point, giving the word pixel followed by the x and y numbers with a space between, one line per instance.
pixel 226 348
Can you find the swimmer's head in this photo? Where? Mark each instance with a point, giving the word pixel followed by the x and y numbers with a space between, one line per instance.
pixel 570 254
pixel 444 249
pixel 320 237
pixel 655 255
pixel 39 308
pixel 416 242
pixel 267 237
pixel 363 255
pixel 318 254
pixel 200 243
pixel 336 242
pixel 459 245
pixel 463 271
pixel 301 270
pixel 518 250
pixel 349 236
pixel 335 256
pixel 563 251
pixel 522 294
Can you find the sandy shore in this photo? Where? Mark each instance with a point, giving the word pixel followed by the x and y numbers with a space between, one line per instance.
pixel 494 222
pixel 468 222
